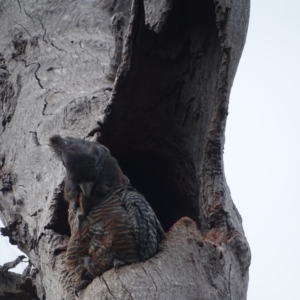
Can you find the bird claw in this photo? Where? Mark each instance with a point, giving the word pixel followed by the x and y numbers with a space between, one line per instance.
pixel 76 293
pixel 83 284
pixel 118 264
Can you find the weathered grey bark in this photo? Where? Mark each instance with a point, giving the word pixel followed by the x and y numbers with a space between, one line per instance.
pixel 158 75
pixel 16 286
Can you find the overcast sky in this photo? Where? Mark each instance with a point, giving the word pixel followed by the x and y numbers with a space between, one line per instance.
pixel 262 151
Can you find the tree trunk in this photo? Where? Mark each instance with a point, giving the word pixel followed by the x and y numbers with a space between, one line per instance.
pixel 156 75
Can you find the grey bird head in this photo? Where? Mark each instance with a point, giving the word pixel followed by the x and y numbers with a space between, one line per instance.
pixel 90 169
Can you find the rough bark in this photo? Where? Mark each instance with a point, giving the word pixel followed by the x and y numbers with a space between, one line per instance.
pixel 157 75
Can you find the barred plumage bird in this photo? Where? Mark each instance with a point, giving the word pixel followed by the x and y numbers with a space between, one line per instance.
pixel 90 169
pixel 111 223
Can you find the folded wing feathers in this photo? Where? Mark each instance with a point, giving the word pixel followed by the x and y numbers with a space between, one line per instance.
pixel 147 229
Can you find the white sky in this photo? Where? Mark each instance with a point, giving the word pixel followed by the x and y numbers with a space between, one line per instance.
pixel 262 150
pixel 262 157
pixel 9 253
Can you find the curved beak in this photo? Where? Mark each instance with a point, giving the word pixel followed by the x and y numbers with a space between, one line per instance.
pixel 86 188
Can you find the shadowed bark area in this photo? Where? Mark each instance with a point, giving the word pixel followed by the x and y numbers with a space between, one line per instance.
pixel 160 141
pixel 157 76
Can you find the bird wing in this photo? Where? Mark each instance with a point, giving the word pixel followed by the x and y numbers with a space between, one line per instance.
pixel 112 226
pixel 147 229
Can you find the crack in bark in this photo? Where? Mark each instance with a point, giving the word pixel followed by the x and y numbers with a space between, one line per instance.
pixel 229 283
pixel 35 72
pixel 44 39
pixel 108 288
pixel 53 45
pixel 45 106
pixel 158 273
pixel 19 6
pixel 150 277
pixel 28 15
pixel 36 77
pixel 23 28
pixel 125 287
pixel 60 17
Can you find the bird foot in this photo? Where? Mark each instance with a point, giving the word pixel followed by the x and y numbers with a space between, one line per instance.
pixel 118 264
pixel 83 284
